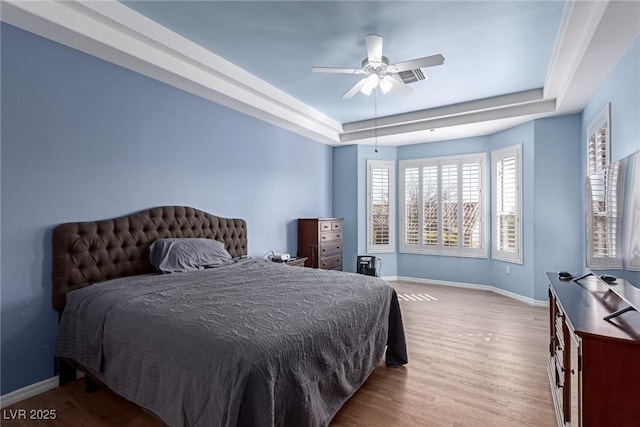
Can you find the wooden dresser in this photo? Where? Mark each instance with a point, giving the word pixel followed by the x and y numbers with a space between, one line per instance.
pixel 320 240
pixel 594 364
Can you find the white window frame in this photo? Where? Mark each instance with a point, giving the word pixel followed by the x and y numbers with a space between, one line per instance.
pixel 391 167
pixel 516 255
pixel 439 248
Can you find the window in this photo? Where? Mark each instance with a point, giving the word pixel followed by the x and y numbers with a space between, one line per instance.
pixel 380 206
pixel 507 204
pixel 603 217
pixel 443 208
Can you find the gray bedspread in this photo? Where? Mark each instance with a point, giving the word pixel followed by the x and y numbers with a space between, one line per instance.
pixel 249 344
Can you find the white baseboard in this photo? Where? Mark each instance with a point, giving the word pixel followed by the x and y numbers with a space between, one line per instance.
pixel 28 391
pixel 512 295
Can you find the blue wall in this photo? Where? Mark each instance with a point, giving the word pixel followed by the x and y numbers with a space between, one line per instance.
pixel 346 185
pixel 83 139
pixel 557 208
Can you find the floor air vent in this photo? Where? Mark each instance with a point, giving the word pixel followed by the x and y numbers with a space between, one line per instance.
pixel 416 297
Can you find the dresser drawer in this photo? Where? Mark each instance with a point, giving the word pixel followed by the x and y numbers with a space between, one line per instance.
pixel 331 263
pixel 330 248
pixel 330 226
pixel 329 236
pixel 324 226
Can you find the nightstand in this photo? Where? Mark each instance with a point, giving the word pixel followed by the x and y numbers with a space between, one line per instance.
pixel 296 262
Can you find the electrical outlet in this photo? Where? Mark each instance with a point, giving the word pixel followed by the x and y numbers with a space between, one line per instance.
pixel 508 269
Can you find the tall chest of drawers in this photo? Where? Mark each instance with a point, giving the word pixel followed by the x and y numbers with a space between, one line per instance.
pixel 320 240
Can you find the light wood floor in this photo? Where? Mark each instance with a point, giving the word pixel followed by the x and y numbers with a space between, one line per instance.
pixel 476 359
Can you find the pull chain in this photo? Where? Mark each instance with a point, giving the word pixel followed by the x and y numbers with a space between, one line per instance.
pixel 375 119
pixel 375 98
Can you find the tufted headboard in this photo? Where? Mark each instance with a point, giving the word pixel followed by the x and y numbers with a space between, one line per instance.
pixel 89 252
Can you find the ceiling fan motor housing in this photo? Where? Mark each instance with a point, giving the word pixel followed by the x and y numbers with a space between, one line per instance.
pixel 381 68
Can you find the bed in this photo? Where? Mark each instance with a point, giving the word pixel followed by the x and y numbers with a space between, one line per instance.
pixel 248 343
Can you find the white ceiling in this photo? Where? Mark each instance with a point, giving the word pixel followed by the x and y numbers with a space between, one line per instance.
pixel 506 62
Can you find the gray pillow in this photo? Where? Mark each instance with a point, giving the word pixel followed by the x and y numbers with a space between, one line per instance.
pixel 180 255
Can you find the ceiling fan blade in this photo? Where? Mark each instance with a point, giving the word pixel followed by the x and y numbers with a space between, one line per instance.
pixel 336 70
pixel 348 94
pixel 374 47
pixel 428 61
pixel 398 86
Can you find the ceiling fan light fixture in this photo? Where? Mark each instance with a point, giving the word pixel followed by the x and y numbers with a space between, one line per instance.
pixel 385 84
pixel 371 82
pixel 366 89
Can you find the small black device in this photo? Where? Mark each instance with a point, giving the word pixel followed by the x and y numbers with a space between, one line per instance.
pixel 611 280
pixel 565 275
pixel 366 265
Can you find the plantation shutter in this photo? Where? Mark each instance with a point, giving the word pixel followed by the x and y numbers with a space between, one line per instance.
pixel 380 206
pixel 450 205
pixel 597 151
pixel 598 142
pixel 471 205
pixel 604 244
pixel 430 208
pixel 506 175
pixel 411 198
pixel 507 205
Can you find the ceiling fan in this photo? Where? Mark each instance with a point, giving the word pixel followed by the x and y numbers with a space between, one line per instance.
pixel 378 71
